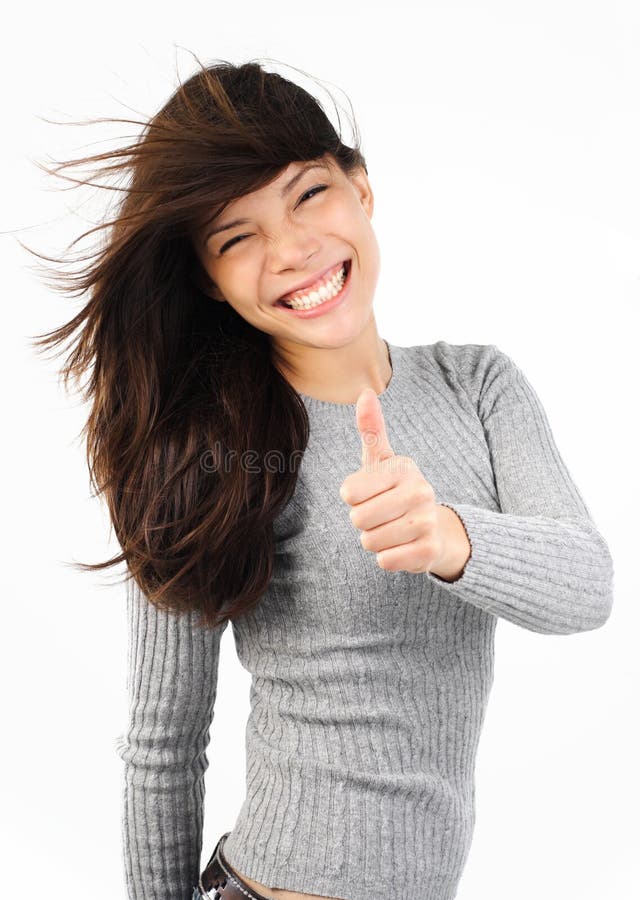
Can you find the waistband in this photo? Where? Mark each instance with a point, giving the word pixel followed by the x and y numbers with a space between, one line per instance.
pixel 218 876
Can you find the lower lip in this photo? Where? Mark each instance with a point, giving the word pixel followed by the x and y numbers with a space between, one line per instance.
pixel 327 306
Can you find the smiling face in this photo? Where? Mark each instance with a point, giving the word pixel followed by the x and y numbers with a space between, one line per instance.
pixel 295 231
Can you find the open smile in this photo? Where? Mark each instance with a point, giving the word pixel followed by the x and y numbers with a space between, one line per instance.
pixel 317 303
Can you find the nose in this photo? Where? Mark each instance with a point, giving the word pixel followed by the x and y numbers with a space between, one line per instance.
pixel 292 250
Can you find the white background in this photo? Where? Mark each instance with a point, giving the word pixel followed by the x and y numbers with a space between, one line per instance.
pixel 503 146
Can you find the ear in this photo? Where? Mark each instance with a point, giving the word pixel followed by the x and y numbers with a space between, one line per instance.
pixel 361 183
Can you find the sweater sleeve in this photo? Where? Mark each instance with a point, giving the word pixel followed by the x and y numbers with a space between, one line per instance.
pixel 172 672
pixel 540 562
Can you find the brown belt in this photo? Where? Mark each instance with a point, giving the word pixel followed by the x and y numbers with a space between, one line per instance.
pixel 220 877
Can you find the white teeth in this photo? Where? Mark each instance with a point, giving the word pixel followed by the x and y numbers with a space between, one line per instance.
pixel 315 298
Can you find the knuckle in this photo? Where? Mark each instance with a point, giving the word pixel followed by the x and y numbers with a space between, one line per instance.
pixel 430 552
pixel 425 491
pixel 431 523
pixel 409 464
pixel 425 524
pixel 403 465
pixel 428 487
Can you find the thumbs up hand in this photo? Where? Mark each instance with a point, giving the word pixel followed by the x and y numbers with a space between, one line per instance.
pixel 395 507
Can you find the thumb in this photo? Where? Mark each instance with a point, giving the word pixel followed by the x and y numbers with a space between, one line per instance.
pixel 370 421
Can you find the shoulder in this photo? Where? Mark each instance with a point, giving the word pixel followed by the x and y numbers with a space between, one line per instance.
pixel 480 374
pixel 468 365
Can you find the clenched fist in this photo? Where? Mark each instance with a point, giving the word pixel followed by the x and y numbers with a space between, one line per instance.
pixel 395 507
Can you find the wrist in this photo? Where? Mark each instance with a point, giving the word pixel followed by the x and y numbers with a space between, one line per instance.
pixel 457 548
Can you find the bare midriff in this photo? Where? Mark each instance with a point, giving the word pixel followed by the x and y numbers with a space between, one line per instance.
pixel 280 893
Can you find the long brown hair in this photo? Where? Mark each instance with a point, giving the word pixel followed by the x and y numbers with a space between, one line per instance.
pixel 177 381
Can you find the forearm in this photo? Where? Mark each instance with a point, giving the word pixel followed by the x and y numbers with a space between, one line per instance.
pixel 172 680
pixel 549 575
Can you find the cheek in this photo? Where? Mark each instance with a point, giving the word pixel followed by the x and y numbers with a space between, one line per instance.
pixel 238 281
pixel 350 221
pixel 344 213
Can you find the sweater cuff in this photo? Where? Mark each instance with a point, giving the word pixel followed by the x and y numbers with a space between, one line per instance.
pixel 549 575
pixel 474 523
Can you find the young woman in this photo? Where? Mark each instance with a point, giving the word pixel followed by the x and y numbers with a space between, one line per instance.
pixel 362 513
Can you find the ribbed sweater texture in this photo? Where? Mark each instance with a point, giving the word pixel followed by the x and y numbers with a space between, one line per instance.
pixel 369 687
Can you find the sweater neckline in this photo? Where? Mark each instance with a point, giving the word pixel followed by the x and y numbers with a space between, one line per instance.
pixel 387 397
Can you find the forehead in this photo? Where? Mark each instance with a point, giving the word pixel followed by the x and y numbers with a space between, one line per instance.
pixel 289 176
pixel 278 188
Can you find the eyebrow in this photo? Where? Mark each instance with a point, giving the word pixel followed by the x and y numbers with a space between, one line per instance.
pixel 285 190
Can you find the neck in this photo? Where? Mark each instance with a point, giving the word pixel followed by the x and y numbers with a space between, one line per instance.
pixel 336 374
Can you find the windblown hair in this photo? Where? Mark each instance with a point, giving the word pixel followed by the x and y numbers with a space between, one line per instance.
pixel 177 382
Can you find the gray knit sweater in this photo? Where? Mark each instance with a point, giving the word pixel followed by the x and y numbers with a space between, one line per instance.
pixel 369 687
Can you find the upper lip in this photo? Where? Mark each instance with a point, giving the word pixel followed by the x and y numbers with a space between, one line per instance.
pixel 312 280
